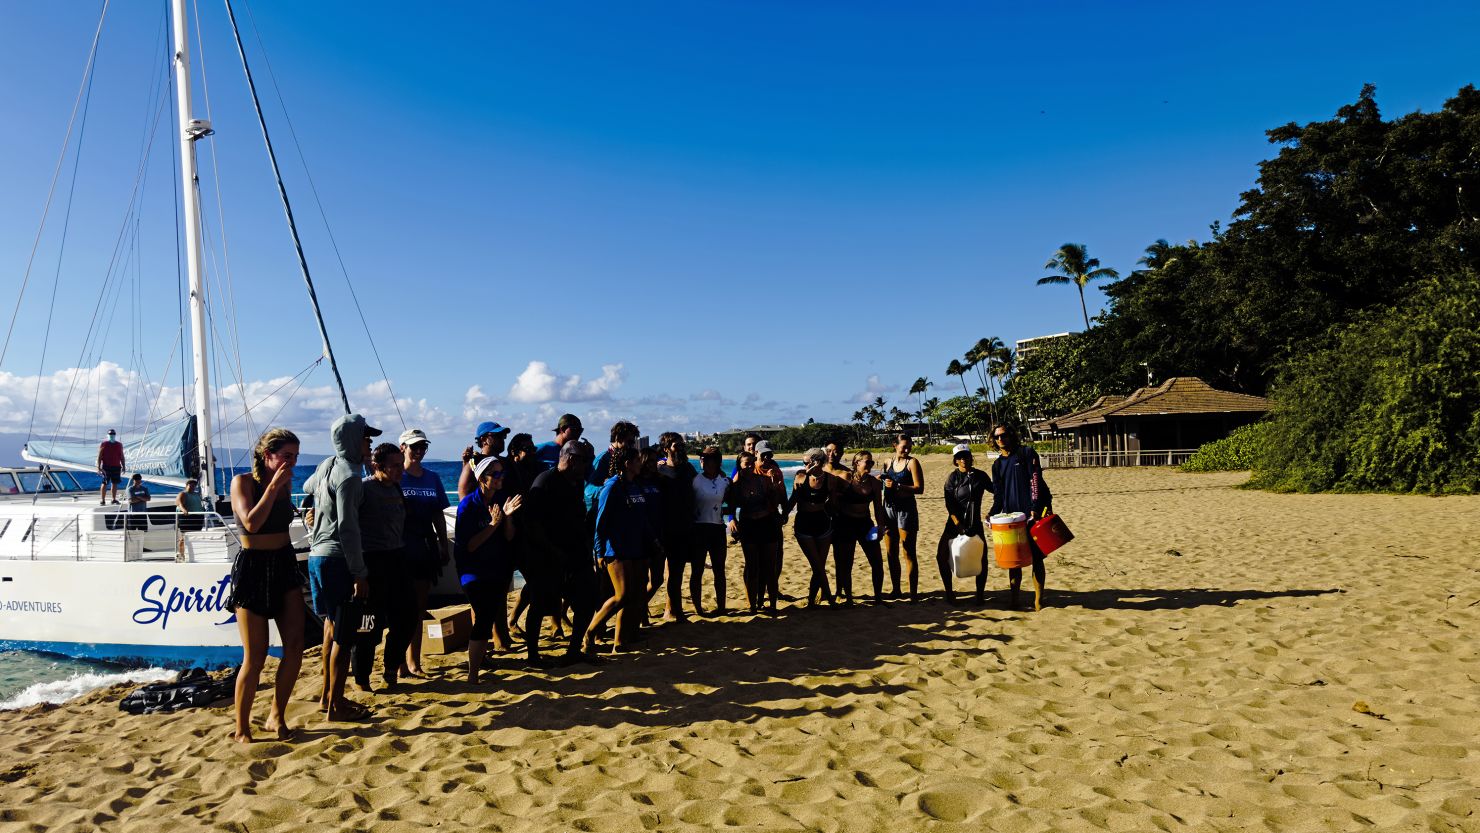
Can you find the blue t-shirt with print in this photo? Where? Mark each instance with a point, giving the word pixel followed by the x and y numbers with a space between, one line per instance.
pixel 426 498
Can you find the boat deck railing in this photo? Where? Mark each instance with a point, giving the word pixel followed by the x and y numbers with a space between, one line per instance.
pixel 98 535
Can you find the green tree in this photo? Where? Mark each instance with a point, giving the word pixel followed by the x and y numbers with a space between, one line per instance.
pixel 1389 402
pixel 1074 265
pixel 956 368
pixel 1058 377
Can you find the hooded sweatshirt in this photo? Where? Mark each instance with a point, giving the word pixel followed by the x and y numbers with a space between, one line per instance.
pixel 337 492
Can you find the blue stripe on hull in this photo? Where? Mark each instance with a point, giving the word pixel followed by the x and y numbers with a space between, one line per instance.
pixel 140 656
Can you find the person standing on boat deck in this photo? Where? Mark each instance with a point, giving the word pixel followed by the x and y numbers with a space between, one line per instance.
pixel 558 551
pixel 964 489
pixel 337 574
pixel 392 594
pixel 189 514
pixel 568 429
pixel 110 466
pixel 902 480
pixel 264 579
pixel 1018 475
pixel 488 441
pixel 138 503
pixel 425 533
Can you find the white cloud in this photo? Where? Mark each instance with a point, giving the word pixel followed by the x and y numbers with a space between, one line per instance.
pixel 872 387
pixel 538 383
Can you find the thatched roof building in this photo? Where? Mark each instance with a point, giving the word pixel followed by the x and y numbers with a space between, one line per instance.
pixel 1181 413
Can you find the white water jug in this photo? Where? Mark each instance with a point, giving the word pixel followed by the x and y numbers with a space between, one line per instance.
pixel 966 556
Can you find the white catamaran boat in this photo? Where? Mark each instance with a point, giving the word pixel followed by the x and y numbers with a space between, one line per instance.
pixel 88 580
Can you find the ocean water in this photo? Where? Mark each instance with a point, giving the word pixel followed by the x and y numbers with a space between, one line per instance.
pixel 28 678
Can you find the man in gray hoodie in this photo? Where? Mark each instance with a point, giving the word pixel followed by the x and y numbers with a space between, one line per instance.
pixel 338 580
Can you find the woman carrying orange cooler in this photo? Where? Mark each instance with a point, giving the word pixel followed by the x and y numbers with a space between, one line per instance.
pixel 1018 479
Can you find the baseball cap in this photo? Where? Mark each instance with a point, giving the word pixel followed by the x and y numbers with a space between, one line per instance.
pixel 577 448
pixel 111 432
pixel 763 447
pixel 961 448
pixel 412 436
pixel 483 466
pixel 489 428
pixel 568 421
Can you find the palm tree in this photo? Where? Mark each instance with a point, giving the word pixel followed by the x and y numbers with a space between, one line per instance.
pixel 1075 266
pixel 981 355
pixel 956 368
pixel 919 387
pixel 929 411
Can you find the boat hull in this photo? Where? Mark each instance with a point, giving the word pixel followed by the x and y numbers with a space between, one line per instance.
pixel 148 613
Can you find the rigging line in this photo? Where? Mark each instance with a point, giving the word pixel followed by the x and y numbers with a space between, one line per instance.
pixel 230 297
pixel 61 250
pixel 287 207
pixel 270 394
pixel 305 373
pixel 319 203
pixel 85 85
pixel 110 285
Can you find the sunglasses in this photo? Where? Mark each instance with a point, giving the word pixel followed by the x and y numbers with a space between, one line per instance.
pixel 999 436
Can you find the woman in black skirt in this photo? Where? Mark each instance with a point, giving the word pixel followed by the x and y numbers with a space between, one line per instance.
pixel 265 583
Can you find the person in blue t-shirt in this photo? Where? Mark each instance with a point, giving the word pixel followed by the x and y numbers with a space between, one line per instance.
pixel 625 538
pixel 483 548
pixel 138 502
pixel 426 543
pixel 1018 478
pixel 567 430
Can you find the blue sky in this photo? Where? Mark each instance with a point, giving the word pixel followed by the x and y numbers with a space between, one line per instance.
pixel 713 214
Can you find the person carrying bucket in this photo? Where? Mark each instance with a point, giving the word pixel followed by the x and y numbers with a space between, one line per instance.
pixel 964 489
pixel 1018 478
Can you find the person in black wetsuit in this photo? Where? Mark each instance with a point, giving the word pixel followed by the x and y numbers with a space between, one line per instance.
pixel 852 526
pixel 676 487
pixel 811 497
pixel 558 565
pixel 265 583
pixel 758 500
pixel 1018 475
pixel 964 489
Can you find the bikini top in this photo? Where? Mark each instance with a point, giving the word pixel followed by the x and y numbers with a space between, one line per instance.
pixel 853 495
pixel 806 493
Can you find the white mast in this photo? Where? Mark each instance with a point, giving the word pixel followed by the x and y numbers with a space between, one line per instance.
pixel 191 130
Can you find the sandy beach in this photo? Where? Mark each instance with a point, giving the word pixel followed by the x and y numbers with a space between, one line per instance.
pixel 1209 658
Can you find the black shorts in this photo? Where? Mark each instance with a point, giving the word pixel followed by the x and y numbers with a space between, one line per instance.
pixel 708 541
pixel 260 578
pixel 814 524
pixel 485 595
pixel 763 530
pixel 112 475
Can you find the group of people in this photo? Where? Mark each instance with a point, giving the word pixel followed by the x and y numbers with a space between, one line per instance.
pixel 595 536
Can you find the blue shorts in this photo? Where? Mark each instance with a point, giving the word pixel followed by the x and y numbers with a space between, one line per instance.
pixel 329 584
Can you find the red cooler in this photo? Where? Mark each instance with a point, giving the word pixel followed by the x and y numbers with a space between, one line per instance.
pixel 1050 533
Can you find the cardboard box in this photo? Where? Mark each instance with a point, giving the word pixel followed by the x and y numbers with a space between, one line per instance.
pixel 446 632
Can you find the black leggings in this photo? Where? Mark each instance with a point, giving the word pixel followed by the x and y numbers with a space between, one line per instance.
pixel 485 595
pixel 393 601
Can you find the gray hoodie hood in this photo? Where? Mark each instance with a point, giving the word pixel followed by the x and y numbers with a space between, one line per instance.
pixel 337 492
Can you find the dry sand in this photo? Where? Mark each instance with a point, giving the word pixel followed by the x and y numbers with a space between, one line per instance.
pixel 1197 668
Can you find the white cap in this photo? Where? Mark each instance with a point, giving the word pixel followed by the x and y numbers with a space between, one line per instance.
pixel 961 448
pixel 763 447
pixel 483 466
pixel 412 436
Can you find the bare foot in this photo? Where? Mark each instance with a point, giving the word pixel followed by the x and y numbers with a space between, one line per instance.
pixel 242 737
pixel 279 726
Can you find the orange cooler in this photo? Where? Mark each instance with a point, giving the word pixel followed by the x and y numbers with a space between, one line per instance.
pixel 1010 540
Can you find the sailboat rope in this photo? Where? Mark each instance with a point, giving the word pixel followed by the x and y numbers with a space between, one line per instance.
pixel 319 204
pixel 56 174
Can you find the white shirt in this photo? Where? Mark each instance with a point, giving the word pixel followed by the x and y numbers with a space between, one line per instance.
pixel 708 496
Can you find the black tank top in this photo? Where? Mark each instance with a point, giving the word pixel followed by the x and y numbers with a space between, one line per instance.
pixel 278 518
